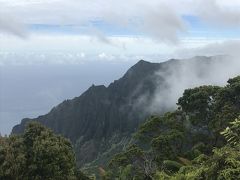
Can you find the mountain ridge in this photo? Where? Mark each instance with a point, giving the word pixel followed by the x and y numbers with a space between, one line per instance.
pixel 102 115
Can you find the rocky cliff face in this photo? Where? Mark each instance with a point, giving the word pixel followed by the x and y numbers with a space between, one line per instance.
pixel 102 118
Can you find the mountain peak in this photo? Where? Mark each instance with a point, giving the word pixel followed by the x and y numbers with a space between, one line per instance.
pixel 142 62
pixel 93 118
pixel 141 68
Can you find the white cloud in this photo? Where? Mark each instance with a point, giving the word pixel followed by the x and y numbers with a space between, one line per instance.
pixel 82 55
pixel 74 49
pixel 225 13
pixel 10 25
pixel 189 74
pixel 162 23
pixel 81 43
pixel 102 55
pixel 219 47
pixel 156 18
pixel 159 19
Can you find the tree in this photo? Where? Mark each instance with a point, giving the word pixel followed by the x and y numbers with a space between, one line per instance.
pixel 227 107
pixel 199 102
pixel 190 143
pixel 232 134
pixel 223 164
pixel 37 154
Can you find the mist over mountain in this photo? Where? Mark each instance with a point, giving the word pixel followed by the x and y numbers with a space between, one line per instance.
pixel 101 120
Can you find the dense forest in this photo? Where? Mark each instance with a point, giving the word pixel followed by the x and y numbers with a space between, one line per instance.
pixel 199 140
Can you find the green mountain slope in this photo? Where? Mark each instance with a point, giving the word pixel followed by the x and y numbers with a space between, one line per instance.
pixel 187 143
pixel 100 122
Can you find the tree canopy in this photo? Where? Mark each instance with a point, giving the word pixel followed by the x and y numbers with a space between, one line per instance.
pixel 200 140
pixel 37 154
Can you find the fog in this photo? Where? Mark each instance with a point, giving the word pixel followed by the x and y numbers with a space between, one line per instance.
pixel 191 73
pixel 32 90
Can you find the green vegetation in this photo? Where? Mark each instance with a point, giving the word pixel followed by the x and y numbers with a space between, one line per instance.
pixel 192 143
pixel 199 140
pixel 37 154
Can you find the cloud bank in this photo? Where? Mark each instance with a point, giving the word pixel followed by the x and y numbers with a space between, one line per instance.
pixel 162 20
pixel 191 73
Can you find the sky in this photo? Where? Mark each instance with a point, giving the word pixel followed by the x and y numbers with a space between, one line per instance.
pixel 115 30
pixel 40 40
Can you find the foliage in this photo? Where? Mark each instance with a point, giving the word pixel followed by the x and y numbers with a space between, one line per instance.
pixel 189 143
pixel 199 102
pixel 192 143
pixel 37 154
pixel 227 107
pixel 224 164
pixel 232 134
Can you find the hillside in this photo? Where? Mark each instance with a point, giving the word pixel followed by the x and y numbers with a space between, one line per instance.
pixel 199 140
pixel 103 118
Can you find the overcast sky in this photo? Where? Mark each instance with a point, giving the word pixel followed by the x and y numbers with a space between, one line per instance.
pixel 111 29
pixel 116 33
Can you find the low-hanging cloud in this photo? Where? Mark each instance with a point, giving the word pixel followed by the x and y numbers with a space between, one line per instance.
pixel 227 47
pixel 190 73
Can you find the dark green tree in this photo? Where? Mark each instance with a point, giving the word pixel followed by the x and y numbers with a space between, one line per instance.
pixel 36 155
pixel 188 143
pixel 223 164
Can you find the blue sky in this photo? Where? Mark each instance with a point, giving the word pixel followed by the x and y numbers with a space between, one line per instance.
pixel 196 28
